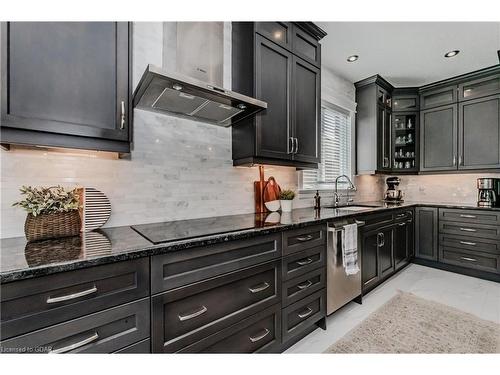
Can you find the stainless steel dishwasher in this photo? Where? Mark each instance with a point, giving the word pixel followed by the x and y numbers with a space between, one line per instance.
pixel 341 288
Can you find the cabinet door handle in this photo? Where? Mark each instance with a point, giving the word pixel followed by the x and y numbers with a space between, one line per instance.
pixel 260 336
pixel 78 344
pixel 122 117
pixel 305 285
pixel 296 145
pixel 468 259
pixel 69 297
pixel 460 160
pixel 309 237
pixel 304 262
pixel 454 160
pixel 468 243
pixel 289 148
pixel 305 313
pixel 468 230
pixel 259 288
pixel 468 216
pixel 201 310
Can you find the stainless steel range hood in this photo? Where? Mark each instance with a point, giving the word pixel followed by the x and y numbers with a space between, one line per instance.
pixel 198 53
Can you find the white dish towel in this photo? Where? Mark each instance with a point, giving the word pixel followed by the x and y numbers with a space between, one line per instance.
pixel 350 249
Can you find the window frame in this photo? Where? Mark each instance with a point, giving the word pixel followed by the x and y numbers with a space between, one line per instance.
pixel 352 119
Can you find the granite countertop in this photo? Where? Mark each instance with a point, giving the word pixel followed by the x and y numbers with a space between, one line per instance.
pixel 21 260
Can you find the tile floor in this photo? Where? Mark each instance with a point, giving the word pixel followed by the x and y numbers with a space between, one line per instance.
pixel 469 294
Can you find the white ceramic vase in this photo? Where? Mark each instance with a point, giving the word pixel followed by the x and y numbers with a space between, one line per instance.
pixel 286 205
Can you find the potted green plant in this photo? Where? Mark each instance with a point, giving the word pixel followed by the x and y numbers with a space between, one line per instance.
pixel 286 198
pixel 52 212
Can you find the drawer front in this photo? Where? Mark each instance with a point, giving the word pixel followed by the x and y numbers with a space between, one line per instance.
pixel 377 220
pixel 260 333
pixel 470 243
pixel 470 216
pixel 141 347
pixel 304 238
pixel 303 262
pixel 301 315
pixel 186 315
pixel 32 304
pixel 302 286
pixel 405 215
pixel 188 266
pixel 469 229
pixel 103 332
pixel 470 259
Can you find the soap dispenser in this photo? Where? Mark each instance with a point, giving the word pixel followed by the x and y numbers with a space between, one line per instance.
pixel 317 201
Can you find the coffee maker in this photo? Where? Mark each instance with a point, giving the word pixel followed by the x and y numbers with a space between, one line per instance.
pixel 488 192
pixel 393 194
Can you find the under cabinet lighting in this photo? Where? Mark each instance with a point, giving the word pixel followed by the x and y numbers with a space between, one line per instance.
pixel 452 53
pixel 352 58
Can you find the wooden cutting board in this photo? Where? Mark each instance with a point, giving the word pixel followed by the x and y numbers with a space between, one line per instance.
pixel 272 190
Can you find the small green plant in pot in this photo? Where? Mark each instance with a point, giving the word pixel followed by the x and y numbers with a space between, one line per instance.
pixel 52 212
pixel 286 198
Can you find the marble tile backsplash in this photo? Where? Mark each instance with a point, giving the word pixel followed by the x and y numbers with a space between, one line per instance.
pixel 446 188
pixel 179 169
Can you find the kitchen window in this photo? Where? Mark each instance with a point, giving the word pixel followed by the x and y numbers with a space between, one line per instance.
pixel 336 150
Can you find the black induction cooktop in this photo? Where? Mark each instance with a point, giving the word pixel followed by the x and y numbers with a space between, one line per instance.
pixel 185 229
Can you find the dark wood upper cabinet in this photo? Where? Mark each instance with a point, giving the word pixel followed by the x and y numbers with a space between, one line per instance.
pixel 273 79
pixel 307 109
pixel 66 84
pixel 306 46
pixel 479 87
pixel 278 32
pixel 265 66
pixel 479 133
pixel 438 97
pixel 438 138
pixel 373 125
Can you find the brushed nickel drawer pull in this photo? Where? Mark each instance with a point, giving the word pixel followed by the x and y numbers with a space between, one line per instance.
pixel 200 311
pixel 468 216
pixel 305 313
pixel 468 243
pixel 468 259
pixel 259 288
pixel 401 215
pixel 305 285
pixel 72 296
pixel 305 238
pixel 468 230
pixel 304 262
pixel 261 336
pixel 402 224
pixel 78 344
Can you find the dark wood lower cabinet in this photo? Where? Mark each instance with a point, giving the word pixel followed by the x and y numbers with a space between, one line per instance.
pixel 387 246
pixel 426 233
pixel 237 297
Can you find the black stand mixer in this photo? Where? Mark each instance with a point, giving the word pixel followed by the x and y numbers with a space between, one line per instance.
pixel 393 194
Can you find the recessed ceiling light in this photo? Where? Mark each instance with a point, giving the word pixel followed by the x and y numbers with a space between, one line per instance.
pixel 452 53
pixel 352 58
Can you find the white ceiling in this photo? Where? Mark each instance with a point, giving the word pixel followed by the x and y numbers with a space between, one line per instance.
pixel 409 53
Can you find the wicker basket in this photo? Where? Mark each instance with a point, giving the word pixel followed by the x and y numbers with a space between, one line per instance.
pixel 45 226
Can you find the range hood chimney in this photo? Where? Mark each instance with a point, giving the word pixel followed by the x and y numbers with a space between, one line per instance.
pixel 194 89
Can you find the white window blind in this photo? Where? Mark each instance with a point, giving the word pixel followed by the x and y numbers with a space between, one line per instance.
pixel 335 151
